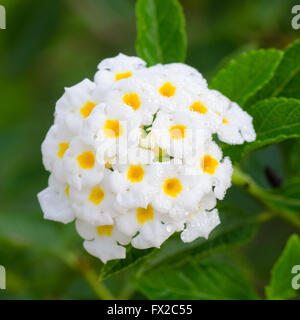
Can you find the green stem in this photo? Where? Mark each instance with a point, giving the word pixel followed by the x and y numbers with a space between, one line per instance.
pixel 92 279
pixel 289 218
pixel 79 264
pixel 127 292
pixel 263 217
pixel 245 182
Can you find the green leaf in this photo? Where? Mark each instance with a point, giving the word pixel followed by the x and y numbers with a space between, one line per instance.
pixel 28 229
pixel 225 239
pixel 291 157
pixel 174 250
pixel 286 81
pixel 281 275
pixel 245 75
pixel 287 198
pixel 133 256
pixel 235 230
pixel 160 31
pixel 195 279
pixel 274 120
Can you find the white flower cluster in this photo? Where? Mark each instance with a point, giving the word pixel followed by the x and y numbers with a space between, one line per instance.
pixel 132 156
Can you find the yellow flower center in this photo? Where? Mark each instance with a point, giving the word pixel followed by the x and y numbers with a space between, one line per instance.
pixel 167 90
pixel 172 187
pixel 108 165
pixel 67 191
pixel 209 164
pixel 177 132
pixel 112 129
pixel 198 107
pixel 135 173
pixel 96 195
pixel 87 109
pixel 144 215
pixel 225 120
pixel 86 160
pixel 132 100
pixel 62 148
pixel 123 75
pixel 105 230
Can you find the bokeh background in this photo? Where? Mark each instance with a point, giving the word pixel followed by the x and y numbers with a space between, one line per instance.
pixel 52 44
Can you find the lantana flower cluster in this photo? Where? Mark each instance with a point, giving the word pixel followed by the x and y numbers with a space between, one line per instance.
pixel 133 155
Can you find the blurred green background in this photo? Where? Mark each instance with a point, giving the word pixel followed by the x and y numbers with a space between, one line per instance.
pixel 52 44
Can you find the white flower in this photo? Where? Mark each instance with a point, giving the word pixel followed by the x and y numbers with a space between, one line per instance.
pixel 180 133
pixel 76 105
pixel 55 201
pixel 200 225
pixel 208 107
pixel 132 99
pixel 111 135
pixel 201 222
pixel 236 127
pixel 175 192
pixel 103 241
pixel 94 204
pixel 148 223
pixel 80 164
pixel 132 182
pixel 215 101
pixel 132 158
pixel 185 70
pixel 117 68
pixel 55 145
pixel 208 163
pixel 172 89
